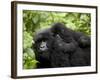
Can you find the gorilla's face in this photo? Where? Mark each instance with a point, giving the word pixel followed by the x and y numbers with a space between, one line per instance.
pixel 42 45
pixel 43 42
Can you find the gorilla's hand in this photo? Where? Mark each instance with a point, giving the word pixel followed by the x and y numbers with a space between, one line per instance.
pixel 84 41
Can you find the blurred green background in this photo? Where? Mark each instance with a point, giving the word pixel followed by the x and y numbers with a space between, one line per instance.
pixel 36 20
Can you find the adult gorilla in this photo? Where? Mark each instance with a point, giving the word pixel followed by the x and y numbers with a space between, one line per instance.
pixel 59 46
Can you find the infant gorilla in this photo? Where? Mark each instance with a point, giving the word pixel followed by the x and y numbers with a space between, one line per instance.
pixel 60 46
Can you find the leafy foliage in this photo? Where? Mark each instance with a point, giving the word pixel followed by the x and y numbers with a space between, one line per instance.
pixel 36 20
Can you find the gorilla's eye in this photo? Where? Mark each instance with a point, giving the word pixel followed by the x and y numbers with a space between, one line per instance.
pixel 43 46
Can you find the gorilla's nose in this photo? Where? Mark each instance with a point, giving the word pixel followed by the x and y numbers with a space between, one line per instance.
pixel 43 46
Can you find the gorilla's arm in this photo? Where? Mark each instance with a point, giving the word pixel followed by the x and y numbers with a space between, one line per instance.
pixel 63 46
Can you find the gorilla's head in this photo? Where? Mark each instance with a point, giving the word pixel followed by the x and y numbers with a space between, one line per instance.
pixel 43 40
pixel 43 47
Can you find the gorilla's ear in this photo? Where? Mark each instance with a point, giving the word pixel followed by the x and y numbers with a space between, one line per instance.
pixel 33 46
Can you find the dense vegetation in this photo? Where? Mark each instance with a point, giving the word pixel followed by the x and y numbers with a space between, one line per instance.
pixel 36 20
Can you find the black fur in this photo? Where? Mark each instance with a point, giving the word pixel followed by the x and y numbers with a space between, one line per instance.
pixel 59 46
